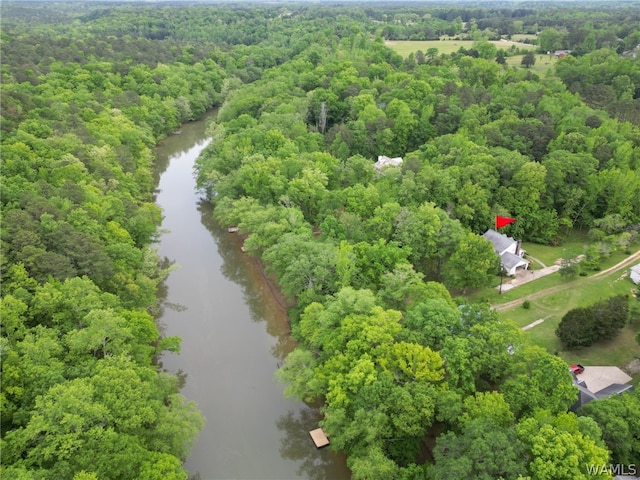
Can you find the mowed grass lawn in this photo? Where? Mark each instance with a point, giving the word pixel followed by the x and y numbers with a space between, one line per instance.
pixel 405 47
pixel 543 64
pixel 619 351
pixel 520 37
pixel 572 245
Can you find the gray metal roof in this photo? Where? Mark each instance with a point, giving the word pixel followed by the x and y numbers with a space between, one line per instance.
pixel 500 242
pixel 613 389
pixel 583 397
pixel 509 260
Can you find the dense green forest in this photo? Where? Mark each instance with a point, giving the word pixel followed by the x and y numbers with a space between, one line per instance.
pixel 81 397
pixel 415 381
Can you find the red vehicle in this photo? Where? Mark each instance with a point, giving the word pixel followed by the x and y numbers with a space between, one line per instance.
pixel 576 369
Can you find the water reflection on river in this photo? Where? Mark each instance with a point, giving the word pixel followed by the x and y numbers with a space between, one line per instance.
pixel 234 333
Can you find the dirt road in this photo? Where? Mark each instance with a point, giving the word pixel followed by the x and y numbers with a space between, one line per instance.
pixel 630 260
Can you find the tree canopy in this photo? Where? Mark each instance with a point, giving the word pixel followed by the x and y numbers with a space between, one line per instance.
pixel 309 97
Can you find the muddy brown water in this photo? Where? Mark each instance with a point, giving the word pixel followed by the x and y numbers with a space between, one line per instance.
pixel 234 332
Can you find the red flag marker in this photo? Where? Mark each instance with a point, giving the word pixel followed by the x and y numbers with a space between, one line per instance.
pixel 503 221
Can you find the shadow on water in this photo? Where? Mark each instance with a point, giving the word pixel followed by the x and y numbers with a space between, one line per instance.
pixel 234 326
pixel 246 271
pixel 178 144
pixel 162 294
pixel 232 268
pixel 315 464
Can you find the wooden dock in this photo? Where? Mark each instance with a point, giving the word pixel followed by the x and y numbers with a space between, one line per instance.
pixel 319 438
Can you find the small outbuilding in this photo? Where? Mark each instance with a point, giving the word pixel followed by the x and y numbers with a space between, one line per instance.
pixel 634 275
pixel 384 161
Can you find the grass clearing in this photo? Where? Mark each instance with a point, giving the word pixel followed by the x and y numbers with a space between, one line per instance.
pixel 558 303
pixel 543 64
pixel 445 46
pixel 405 47
pixel 554 306
pixel 619 351
pixel 521 37
pixel 492 294
pixel 572 246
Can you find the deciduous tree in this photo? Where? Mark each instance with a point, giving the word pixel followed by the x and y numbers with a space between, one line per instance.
pixel 473 264
pixel 528 60
pixel 618 418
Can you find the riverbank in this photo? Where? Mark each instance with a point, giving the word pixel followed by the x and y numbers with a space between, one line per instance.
pixel 234 332
pixel 269 282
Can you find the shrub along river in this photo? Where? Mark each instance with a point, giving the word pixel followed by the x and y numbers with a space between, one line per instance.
pixel 234 332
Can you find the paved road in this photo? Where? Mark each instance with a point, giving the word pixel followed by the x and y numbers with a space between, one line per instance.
pixel 630 260
pixel 526 276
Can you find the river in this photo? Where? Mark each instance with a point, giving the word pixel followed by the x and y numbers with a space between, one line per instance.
pixel 233 333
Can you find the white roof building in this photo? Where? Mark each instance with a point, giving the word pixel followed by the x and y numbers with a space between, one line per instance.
pixel 635 274
pixel 508 250
pixel 384 161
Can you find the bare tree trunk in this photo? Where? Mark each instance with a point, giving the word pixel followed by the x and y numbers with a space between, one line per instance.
pixel 322 121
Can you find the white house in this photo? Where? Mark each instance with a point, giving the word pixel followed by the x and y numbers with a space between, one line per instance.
pixel 635 274
pixel 509 250
pixel 384 161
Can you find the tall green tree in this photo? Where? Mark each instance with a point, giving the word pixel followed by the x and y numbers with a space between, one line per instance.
pixel 528 60
pixel 538 380
pixel 617 417
pixel 473 264
pixel 561 447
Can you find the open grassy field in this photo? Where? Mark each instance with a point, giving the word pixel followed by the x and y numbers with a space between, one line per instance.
pixel 572 246
pixel 446 46
pixel 619 351
pixel 582 291
pixel 519 37
pixel 543 64
pixel 405 47
pixel 555 280
pixel 492 295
